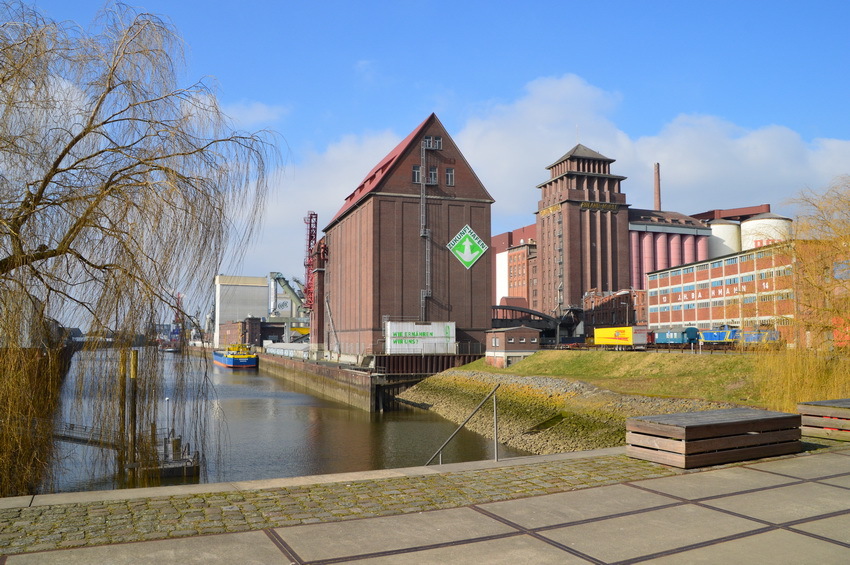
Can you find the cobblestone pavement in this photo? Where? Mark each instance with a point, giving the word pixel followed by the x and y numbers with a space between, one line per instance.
pixel 62 526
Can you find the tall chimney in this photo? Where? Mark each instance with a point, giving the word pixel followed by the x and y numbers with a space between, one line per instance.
pixel 657 187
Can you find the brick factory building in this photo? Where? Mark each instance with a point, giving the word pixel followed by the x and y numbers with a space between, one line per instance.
pixel 410 244
pixel 590 251
pixel 507 265
pixel 582 229
pixel 750 288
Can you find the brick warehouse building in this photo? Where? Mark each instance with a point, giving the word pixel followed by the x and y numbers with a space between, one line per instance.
pixel 385 255
pixel 590 250
pixel 583 230
pixel 751 288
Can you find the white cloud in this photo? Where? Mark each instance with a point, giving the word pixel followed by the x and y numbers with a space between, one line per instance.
pixel 510 145
pixel 249 114
pixel 706 163
pixel 320 184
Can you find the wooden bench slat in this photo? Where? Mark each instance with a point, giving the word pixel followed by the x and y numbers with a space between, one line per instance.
pixel 819 422
pixel 834 403
pixel 712 444
pixel 841 435
pixel 713 458
pixel 824 411
pixel 712 423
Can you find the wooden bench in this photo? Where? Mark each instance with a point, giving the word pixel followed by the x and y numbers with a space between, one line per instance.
pixel 826 419
pixel 712 437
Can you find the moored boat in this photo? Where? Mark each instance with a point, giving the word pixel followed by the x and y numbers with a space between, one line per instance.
pixel 170 346
pixel 236 357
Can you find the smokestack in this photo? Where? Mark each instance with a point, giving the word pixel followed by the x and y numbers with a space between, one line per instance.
pixel 657 187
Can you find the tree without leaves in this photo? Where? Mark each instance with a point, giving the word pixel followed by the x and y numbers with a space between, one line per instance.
pixel 822 262
pixel 117 188
pixel 815 366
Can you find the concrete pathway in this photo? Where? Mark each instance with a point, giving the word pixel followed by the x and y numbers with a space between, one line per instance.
pixel 589 507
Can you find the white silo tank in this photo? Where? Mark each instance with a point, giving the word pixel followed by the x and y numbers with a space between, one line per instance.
pixel 764 229
pixel 725 238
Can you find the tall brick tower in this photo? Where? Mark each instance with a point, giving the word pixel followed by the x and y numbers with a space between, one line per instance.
pixel 583 230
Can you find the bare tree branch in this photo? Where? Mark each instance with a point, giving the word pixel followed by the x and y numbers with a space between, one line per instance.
pixel 119 191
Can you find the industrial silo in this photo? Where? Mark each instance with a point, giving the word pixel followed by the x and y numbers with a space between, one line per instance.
pixel 764 229
pixel 725 238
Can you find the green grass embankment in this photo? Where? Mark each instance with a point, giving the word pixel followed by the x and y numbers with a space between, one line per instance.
pixel 545 406
pixel 716 377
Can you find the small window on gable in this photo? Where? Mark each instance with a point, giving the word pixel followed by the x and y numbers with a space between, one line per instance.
pixel 534 340
pixel 432 175
pixel 510 340
pixel 417 174
pixel 522 340
pixel 435 142
pixel 450 177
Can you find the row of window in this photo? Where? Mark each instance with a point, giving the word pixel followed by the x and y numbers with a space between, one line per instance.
pixel 432 142
pixel 781 272
pixel 497 340
pixel 780 296
pixel 432 175
pixel 713 265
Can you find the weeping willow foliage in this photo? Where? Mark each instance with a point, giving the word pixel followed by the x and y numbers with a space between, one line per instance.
pixel 118 189
pixel 817 365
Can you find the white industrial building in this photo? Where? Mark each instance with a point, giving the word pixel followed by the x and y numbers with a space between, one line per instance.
pixel 237 298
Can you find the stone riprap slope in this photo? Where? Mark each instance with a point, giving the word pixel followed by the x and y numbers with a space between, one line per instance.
pixel 542 415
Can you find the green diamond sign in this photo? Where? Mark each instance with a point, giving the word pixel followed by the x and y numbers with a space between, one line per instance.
pixel 467 247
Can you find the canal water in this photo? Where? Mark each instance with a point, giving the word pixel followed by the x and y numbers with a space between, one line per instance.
pixel 271 428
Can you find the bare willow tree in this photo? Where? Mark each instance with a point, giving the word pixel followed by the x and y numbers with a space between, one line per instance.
pixel 822 261
pixel 817 365
pixel 118 189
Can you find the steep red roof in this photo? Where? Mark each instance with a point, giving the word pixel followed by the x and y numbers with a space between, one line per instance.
pixel 373 179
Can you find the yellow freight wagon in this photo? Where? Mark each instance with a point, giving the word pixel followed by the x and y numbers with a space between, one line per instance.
pixel 624 336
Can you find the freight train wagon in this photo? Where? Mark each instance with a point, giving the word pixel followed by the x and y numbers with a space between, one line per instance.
pixel 626 337
pixel 676 336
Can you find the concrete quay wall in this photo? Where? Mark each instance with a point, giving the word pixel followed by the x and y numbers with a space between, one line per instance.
pixel 355 388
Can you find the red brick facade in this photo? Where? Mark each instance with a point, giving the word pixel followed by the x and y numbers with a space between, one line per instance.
pixel 751 289
pixel 248 332
pixel 382 265
pixel 510 345
pixel 583 231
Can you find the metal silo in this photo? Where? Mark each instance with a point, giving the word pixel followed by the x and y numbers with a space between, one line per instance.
pixel 725 238
pixel 764 229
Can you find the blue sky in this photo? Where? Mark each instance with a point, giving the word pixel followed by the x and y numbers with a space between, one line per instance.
pixel 741 102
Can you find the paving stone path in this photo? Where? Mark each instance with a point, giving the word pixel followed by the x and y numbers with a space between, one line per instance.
pixel 40 528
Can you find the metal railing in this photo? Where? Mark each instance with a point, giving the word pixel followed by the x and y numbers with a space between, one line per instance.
pixel 492 393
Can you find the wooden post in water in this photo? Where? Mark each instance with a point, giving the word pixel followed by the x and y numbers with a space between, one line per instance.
pixel 134 369
pixel 122 418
